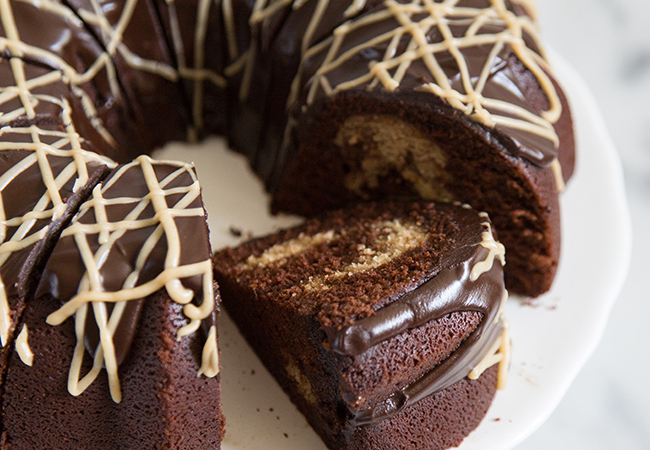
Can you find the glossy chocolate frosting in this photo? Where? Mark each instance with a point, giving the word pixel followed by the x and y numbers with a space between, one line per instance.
pixel 124 192
pixel 130 33
pixel 452 290
pixel 508 89
pixel 57 41
pixel 23 196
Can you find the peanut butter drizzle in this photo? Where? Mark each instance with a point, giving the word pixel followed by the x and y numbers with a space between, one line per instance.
pixel 113 35
pixel 61 69
pixel 495 250
pixel 92 293
pixel 22 347
pixel 196 73
pixel 65 142
pixel 389 71
pixel 262 11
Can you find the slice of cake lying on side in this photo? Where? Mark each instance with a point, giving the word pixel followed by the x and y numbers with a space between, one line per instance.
pixel 382 322
pixel 123 327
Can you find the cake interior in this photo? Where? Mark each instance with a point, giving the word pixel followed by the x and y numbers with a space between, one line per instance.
pixel 365 148
pixel 289 291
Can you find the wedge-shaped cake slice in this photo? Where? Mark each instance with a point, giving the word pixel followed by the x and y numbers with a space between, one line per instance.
pixel 122 331
pixel 383 322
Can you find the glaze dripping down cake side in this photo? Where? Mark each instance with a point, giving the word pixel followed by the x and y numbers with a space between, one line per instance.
pixel 375 317
pixel 123 324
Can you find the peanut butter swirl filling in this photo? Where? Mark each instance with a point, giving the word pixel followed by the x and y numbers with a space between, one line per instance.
pixel 470 280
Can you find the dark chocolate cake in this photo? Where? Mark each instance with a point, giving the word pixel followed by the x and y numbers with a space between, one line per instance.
pixel 447 102
pixel 382 322
pixel 143 311
pixel 332 102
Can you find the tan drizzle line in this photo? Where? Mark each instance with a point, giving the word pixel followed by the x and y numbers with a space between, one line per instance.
pixel 499 354
pixel 91 291
pixel 390 70
pixel 264 10
pixel 68 144
pixel 557 174
pixel 496 250
pixel 95 15
pixel 22 347
pixel 198 73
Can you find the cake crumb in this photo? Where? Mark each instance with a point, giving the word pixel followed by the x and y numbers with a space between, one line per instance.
pixel 236 232
pixel 286 435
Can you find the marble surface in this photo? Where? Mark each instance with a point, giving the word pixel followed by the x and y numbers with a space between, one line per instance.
pixel 608 405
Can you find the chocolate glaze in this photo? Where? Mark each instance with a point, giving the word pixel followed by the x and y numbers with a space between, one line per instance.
pixel 282 36
pixel 507 80
pixel 66 267
pixel 214 54
pixel 48 114
pixel 19 198
pixel 65 45
pixel 450 291
pixel 148 91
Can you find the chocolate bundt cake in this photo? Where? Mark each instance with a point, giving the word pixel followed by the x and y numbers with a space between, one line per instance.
pixel 142 305
pixel 383 322
pixel 448 101
pixel 332 102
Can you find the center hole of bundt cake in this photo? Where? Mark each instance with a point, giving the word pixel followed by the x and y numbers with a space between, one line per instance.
pixel 376 147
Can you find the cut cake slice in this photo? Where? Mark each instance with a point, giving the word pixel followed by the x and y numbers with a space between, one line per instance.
pixel 383 322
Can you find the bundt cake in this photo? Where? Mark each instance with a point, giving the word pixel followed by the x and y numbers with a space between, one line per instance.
pixel 382 322
pixel 332 102
pixel 448 101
